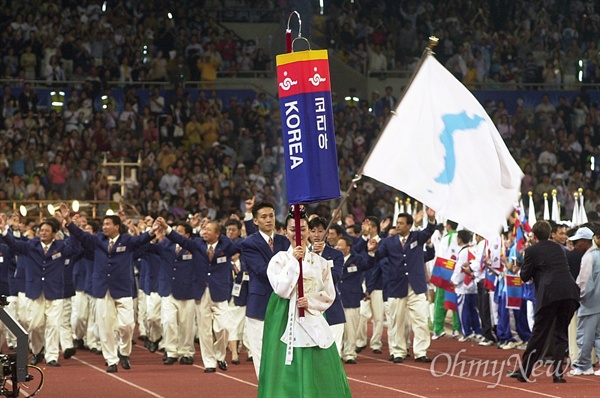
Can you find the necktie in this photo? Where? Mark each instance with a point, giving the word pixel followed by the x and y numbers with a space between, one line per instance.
pixel 46 248
pixel 403 242
pixel 177 249
pixel 210 253
pixel 271 243
pixel 110 245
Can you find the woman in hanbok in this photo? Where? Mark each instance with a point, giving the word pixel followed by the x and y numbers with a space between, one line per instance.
pixel 299 355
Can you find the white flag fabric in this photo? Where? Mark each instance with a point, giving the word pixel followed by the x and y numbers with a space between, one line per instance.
pixel 555 212
pixel 443 149
pixel 575 220
pixel 582 213
pixel 396 211
pixel 531 218
pixel 546 209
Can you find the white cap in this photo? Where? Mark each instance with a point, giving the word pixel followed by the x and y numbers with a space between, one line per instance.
pixel 582 233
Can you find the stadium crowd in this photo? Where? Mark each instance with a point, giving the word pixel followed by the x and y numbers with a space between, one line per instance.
pixel 515 43
pixel 211 159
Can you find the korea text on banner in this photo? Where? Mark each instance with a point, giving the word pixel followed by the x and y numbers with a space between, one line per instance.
pixel 514 291
pixel 307 126
pixel 442 272
pixel 443 149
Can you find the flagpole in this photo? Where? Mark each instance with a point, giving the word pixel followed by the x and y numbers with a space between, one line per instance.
pixel 289 48
pixel 433 41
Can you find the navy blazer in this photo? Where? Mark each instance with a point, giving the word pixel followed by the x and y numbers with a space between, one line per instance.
pixel 8 267
pixel 405 264
pixel 242 299
pixel 111 271
pixel 43 272
pixel 177 274
pixel 215 274
pixel 150 264
pixel 257 254
pixel 6 259
pixel 68 276
pixel 351 282
pixel 79 274
pixel 335 313
pixel 88 259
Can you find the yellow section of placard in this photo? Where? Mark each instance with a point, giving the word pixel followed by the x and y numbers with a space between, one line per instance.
pixel 283 59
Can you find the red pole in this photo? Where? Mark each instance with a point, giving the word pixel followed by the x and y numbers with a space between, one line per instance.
pixel 288 41
pixel 298 243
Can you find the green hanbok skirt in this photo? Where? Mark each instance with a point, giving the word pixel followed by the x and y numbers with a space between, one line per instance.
pixel 314 372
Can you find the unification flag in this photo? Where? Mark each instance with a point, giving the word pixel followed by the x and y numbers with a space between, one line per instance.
pixel 307 126
pixel 514 291
pixel 442 148
pixel 442 273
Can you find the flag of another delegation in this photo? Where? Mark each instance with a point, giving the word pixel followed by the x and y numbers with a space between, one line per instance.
pixel 514 291
pixel 307 126
pixel 442 273
pixel 443 149
pixel 450 301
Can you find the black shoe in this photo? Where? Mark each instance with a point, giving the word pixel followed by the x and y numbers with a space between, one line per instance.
pixel 112 369
pixel 391 358
pixel 188 361
pixel 359 349
pixel 210 370
pixel 53 363
pixel 36 358
pixel 152 346
pixel 78 344
pixel 351 361
pixel 249 359
pixel 423 359
pixel 125 364
pixel 69 352
pixel 513 373
pixel 558 379
pixel 222 365
pixel 170 361
pixel 235 361
pixel 142 338
pixel 521 378
pixel 398 360
pixel 376 351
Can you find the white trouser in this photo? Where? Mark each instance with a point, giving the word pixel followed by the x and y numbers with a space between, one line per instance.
pixel 92 334
pixel 254 328
pixel 153 322
pixel 178 320
pixel 115 326
pixel 338 336
pixel 212 331
pixel 66 332
pixel 45 317
pixel 375 311
pixel 80 314
pixel 350 329
pixel 414 306
pixel 141 312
